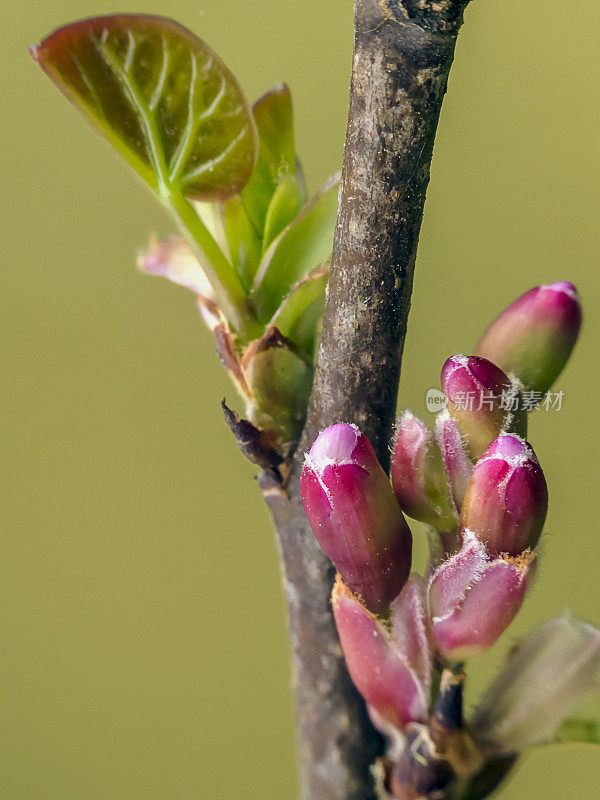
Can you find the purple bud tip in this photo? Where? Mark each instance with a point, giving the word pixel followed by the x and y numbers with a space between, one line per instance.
pixel 557 303
pixel 351 507
pixel 506 501
pixel 564 287
pixel 337 445
pixel 480 400
pixel 472 373
pixel 508 446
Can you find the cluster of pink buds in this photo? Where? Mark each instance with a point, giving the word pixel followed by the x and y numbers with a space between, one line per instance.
pixel 478 485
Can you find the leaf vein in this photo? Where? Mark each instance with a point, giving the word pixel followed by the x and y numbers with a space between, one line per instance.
pixel 182 151
pixel 212 107
pixel 162 78
pixel 131 48
pixel 145 118
pixel 211 163
pixel 89 85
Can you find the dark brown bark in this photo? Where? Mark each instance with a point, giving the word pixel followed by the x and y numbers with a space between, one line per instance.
pixel 403 52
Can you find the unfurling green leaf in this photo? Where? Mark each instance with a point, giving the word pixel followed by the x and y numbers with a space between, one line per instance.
pixel 285 204
pixel 305 244
pixel 274 194
pixel 230 176
pixel 274 118
pixel 243 241
pixel 299 315
pixel 163 99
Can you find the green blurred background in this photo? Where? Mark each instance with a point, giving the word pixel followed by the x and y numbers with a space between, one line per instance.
pixel 143 638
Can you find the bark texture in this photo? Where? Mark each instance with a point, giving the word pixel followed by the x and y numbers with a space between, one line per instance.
pixel 403 52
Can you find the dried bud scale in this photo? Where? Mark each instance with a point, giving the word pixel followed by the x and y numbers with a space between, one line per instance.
pixel 420 772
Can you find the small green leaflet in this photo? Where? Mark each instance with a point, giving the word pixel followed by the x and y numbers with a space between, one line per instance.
pixel 243 242
pixel 303 245
pixel 299 314
pixel 272 197
pixel 274 117
pixel 285 205
pixel 162 98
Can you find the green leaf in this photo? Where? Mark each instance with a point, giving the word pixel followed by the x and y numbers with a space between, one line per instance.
pixel 546 677
pixel 284 206
pixel 162 98
pixel 299 316
pixel 301 180
pixel 274 118
pixel 242 241
pixel 586 731
pixel 304 245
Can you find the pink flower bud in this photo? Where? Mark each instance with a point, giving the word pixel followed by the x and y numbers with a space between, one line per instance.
pixel 534 337
pixel 506 500
pixel 418 475
pixel 354 515
pixel 474 598
pixel 458 464
pixel 390 668
pixel 479 400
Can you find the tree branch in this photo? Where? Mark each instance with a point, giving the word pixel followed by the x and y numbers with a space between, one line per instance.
pixel 403 52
